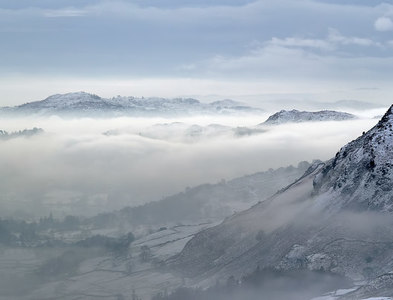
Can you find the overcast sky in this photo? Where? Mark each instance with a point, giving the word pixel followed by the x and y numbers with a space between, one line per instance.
pixel 322 50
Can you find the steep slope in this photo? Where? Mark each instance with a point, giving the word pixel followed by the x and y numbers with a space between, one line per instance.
pixel 336 218
pixel 295 116
pixel 362 171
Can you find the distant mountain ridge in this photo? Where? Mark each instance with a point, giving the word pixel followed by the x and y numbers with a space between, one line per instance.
pixel 296 116
pixel 85 104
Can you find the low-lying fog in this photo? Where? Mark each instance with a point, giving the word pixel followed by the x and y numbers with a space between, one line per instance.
pixel 105 164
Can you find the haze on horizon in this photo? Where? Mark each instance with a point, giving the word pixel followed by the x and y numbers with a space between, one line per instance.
pixel 256 51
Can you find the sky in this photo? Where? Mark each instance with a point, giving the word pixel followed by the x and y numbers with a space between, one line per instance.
pixel 243 49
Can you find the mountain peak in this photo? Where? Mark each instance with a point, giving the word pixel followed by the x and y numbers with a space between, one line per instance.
pixel 386 119
pixel 296 116
pixel 73 97
pixel 362 171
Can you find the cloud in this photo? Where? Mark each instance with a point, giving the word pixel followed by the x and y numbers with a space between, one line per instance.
pixel 64 13
pixel 335 37
pixel 74 168
pixel 303 43
pixel 383 24
pixel 334 40
pixel 155 39
pixel 336 58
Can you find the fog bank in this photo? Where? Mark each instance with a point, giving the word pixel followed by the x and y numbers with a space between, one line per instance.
pixel 74 168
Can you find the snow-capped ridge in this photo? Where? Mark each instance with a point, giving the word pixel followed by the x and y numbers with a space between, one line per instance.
pixel 67 99
pixel 73 96
pixel 296 116
pixel 85 104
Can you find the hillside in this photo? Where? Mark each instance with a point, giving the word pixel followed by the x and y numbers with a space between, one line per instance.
pixel 336 218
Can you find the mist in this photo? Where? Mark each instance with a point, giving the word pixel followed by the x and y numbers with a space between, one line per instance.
pixel 76 167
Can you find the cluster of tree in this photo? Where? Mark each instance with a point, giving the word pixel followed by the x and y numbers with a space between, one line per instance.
pixel 66 224
pixel 22 233
pixel 118 246
pixel 25 132
pixel 14 232
pixel 68 261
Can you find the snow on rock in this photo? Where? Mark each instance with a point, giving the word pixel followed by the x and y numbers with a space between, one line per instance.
pixel 287 116
pixel 362 171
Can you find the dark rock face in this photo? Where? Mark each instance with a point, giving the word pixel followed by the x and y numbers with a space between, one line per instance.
pixel 336 218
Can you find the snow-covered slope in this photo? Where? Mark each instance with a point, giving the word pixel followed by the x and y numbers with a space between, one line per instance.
pixel 84 104
pixel 336 218
pixel 287 116
pixel 362 171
